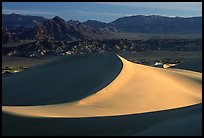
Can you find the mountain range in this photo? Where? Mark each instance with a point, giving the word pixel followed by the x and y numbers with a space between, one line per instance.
pixel 153 24
pixel 37 27
pixel 17 20
pixel 159 24
pixel 59 29
pixel 34 36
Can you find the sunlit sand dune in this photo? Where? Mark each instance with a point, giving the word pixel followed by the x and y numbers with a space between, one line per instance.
pixel 136 89
pixel 101 94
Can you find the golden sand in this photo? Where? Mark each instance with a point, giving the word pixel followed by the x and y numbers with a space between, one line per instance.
pixel 137 89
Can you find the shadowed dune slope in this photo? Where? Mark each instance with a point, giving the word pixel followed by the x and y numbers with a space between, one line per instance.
pixel 136 89
pixel 184 121
pixel 102 95
pixel 67 79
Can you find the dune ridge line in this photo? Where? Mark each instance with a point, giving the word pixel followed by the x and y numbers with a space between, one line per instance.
pixel 137 89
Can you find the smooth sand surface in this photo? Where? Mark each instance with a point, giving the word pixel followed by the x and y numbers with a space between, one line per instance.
pixel 137 89
pixel 138 101
pixel 67 79
pixel 188 122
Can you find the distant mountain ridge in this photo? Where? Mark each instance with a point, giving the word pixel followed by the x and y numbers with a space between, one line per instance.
pixel 16 27
pixel 59 29
pixel 133 24
pixel 54 29
pixel 18 20
pixel 96 23
pixel 153 24
pixel 159 24
pixel 100 25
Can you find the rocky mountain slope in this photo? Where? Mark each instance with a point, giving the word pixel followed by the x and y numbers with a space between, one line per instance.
pixel 59 29
pixel 17 20
pixel 159 24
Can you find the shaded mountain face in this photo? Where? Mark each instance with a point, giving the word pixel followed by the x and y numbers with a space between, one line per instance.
pixel 96 24
pixel 14 25
pixel 8 37
pixel 86 30
pixel 159 24
pixel 59 29
pixel 54 29
pixel 17 20
pixel 101 25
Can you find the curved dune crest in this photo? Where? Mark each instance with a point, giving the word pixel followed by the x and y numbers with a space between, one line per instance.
pixel 137 89
pixel 67 79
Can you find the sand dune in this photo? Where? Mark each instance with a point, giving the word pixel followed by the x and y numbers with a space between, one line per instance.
pixel 67 79
pixel 137 89
pixel 133 90
pixel 128 125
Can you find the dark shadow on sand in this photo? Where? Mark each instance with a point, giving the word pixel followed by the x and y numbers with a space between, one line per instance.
pixel 185 121
pixel 67 79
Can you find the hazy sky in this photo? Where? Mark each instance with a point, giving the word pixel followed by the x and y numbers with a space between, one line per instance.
pixel 102 11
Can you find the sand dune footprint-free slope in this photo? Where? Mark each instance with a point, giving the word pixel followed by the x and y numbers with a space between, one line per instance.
pixel 67 79
pixel 122 88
